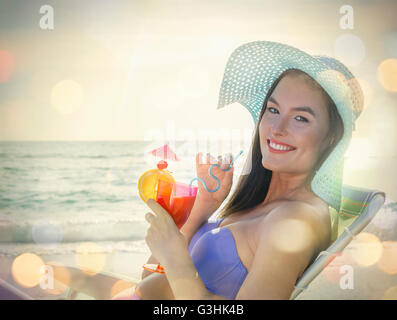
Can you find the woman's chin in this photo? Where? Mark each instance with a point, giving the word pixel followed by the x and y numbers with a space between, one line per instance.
pixel 275 167
pixel 268 165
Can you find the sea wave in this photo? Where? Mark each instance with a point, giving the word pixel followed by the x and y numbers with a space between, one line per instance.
pixel 12 169
pixel 73 230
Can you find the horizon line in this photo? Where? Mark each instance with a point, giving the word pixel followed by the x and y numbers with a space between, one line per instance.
pixel 129 140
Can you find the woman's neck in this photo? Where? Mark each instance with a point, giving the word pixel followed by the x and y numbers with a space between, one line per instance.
pixel 286 187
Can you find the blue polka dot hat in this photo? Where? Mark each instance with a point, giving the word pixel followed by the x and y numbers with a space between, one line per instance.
pixel 253 67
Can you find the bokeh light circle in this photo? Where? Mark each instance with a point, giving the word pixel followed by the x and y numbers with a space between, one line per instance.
pixel 291 235
pixel 387 74
pixel 90 258
pixel 46 232
pixel 367 249
pixel 388 261
pixel 349 49
pixel 26 269
pixel 332 270
pixel 7 63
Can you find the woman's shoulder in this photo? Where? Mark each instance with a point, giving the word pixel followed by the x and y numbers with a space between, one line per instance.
pixel 296 209
pixel 300 206
pixel 312 212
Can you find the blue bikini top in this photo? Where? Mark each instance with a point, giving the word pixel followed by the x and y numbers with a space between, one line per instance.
pixel 214 254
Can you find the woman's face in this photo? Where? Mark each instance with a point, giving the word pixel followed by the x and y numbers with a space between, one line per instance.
pixel 293 127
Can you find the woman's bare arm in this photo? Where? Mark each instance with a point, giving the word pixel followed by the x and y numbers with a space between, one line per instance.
pixel 290 235
pixel 155 287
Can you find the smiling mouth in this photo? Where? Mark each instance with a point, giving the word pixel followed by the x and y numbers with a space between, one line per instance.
pixel 278 148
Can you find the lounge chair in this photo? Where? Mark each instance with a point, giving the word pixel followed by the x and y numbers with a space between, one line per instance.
pixel 359 206
pixel 10 292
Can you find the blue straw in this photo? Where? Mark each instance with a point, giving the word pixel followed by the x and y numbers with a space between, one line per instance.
pixel 211 174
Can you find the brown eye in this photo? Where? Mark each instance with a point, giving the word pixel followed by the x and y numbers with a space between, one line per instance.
pixel 271 110
pixel 303 119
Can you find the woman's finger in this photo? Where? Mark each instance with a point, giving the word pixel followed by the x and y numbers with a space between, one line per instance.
pixel 210 159
pixel 221 162
pixel 207 159
pixel 226 160
pixel 152 219
pixel 159 211
pixel 149 217
pixel 199 158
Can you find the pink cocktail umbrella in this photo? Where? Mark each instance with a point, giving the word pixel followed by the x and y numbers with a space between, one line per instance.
pixel 164 153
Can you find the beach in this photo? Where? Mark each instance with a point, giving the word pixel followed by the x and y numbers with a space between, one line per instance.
pixel 65 202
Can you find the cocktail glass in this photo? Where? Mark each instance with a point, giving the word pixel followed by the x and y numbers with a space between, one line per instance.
pixel 178 200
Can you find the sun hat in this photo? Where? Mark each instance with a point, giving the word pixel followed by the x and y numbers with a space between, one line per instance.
pixel 253 67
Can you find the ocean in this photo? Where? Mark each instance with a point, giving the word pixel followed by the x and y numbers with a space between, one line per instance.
pixel 56 196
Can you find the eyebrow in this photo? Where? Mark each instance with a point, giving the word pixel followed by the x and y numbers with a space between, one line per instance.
pixel 305 109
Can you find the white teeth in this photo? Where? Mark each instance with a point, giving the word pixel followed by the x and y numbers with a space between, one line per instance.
pixel 279 147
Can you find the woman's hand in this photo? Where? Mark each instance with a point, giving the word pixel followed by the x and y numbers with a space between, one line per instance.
pixel 163 237
pixel 214 199
pixel 169 246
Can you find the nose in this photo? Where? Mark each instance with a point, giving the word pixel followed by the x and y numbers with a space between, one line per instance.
pixel 279 127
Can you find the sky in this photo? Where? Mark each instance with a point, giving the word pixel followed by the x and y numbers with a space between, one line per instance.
pixel 137 70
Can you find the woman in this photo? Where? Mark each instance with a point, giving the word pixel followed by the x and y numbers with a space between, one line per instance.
pixel 277 220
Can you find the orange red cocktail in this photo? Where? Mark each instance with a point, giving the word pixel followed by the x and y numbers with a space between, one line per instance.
pixel 177 198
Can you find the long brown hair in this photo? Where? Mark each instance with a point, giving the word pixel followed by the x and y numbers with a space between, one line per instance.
pixel 253 187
